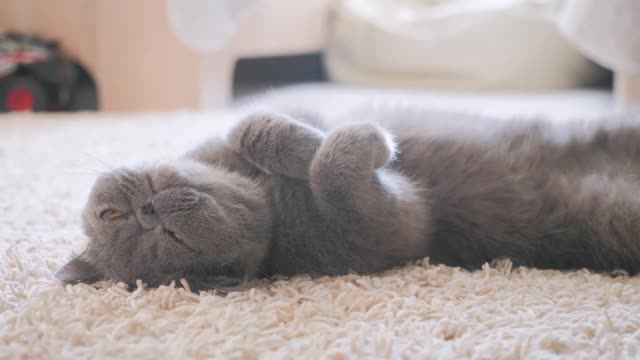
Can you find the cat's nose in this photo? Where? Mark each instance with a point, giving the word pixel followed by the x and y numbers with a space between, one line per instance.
pixel 147 216
pixel 148 209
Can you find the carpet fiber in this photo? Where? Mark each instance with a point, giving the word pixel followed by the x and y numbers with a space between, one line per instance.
pixel 47 164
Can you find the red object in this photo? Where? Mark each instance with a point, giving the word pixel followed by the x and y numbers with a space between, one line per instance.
pixel 19 99
pixel 23 57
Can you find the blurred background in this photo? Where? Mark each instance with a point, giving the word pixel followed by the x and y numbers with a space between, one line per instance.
pixel 160 55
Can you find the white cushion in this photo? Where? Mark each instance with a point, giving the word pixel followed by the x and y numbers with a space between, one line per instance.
pixel 454 44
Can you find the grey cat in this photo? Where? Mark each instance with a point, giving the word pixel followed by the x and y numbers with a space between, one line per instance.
pixel 280 196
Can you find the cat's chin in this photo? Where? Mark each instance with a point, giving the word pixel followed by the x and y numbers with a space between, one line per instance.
pixel 79 270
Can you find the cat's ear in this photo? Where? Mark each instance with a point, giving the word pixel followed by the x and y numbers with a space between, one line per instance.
pixel 79 270
pixel 225 284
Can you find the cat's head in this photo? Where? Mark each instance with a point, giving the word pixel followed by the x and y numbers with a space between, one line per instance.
pixel 166 222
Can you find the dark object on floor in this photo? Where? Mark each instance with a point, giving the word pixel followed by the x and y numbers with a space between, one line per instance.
pixel 254 75
pixel 36 76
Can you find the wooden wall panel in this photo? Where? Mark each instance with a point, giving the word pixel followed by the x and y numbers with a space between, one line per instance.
pixel 127 46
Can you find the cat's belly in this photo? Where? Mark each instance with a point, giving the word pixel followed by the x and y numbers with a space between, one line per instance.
pixel 306 242
pixel 483 207
pixel 300 235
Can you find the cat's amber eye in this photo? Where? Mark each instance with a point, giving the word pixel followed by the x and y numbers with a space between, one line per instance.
pixel 111 214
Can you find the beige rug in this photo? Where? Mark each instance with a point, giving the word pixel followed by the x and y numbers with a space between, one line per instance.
pixel 419 311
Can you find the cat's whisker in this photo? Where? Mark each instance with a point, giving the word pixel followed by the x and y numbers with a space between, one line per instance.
pixel 85 174
pixel 104 163
pixel 112 177
pixel 96 172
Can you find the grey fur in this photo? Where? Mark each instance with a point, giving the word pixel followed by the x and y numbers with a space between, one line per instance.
pixel 282 197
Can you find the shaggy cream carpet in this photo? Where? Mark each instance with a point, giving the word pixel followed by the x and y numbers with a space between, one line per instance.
pixel 419 311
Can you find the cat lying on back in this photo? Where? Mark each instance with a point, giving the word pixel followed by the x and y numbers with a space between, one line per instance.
pixel 279 196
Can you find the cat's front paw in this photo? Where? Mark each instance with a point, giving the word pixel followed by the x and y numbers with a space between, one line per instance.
pixel 258 130
pixel 173 200
pixel 363 142
pixel 275 143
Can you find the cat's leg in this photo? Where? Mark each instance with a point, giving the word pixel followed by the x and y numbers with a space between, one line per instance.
pixel 276 143
pixel 372 208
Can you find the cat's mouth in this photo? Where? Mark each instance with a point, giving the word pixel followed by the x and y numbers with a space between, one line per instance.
pixel 172 235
